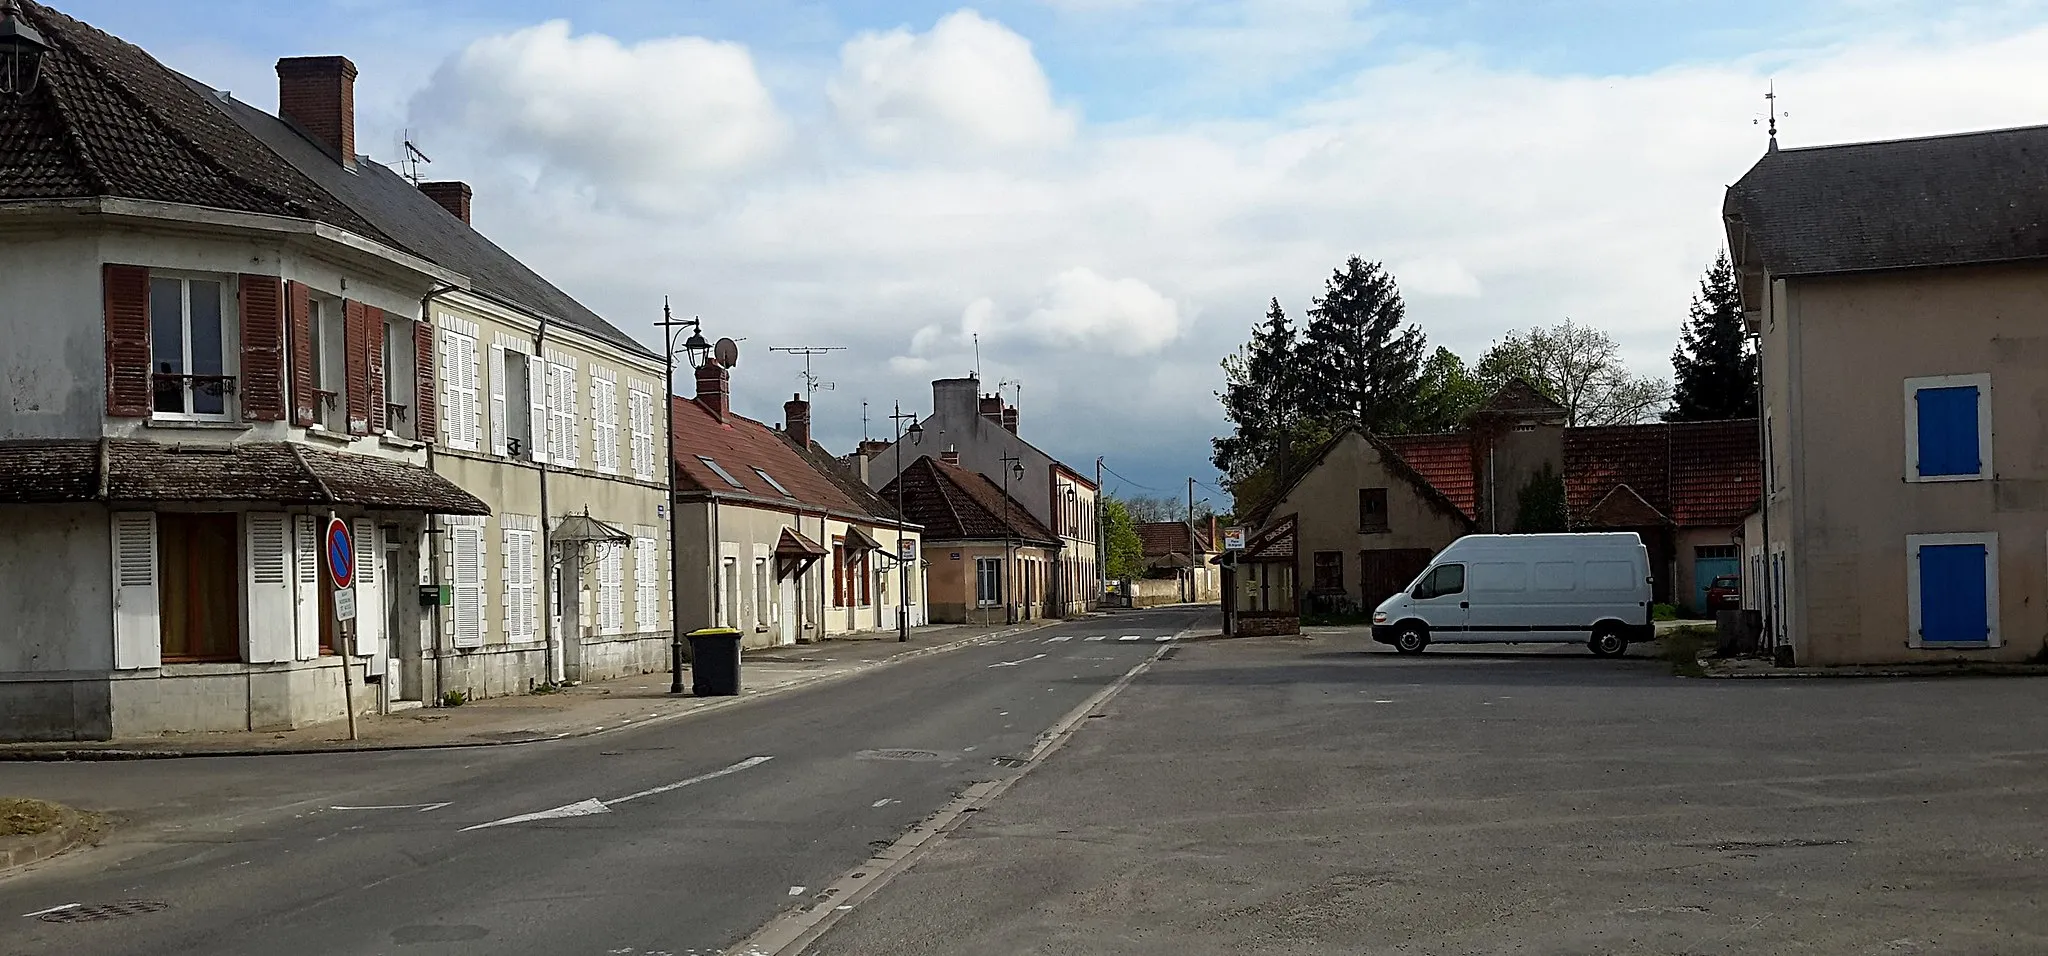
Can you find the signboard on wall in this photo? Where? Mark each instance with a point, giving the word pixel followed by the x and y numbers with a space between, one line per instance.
pixel 1233 539
pixel 907 550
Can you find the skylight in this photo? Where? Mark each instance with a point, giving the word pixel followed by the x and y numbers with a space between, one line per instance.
pixel 770 479
pixel 720 471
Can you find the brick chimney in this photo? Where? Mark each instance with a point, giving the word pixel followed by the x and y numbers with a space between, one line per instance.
pixel 714 386
pixel 796 417
pixel 1010 419
pixel 950 456
pixel 992 407
pixel 453 196
pixel 318 94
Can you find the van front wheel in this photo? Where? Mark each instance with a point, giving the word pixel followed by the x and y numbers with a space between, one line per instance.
pixel 1608 642
pixel 1411 639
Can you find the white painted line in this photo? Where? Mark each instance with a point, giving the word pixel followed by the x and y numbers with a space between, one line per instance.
pixel 796 891
pixel 700 778
pixel 421 807
pixel 1026 660
pixel 581 808
pixel 1062 639
pixel 1098 637
pixel 970 750
pixel 885 801
pixel 1162 640
pixel 1383 702
pixel 1130 637
pixel 53 909
pixel 842 909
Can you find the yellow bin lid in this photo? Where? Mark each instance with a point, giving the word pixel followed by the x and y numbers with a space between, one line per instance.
pixel 714 632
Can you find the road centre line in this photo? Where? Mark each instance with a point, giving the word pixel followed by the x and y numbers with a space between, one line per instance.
pixel 583 808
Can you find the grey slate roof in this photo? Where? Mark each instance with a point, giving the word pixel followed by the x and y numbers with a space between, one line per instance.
pixel 130 470
pixel 1938 201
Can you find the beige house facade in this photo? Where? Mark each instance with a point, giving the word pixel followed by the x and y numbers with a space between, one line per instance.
pixel 1905 397
pixel 989 560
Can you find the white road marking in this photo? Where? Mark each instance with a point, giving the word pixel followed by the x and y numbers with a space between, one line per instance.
pixel 1060 639
pixel 583 808
pixel 970 750
pixel 1026 660
pixel 1162 640
pixel 885 801
pixel 1129 637
pixel 796 891
pixel 421 807
pixel 1383 702
pixel 1099 637
pixel 53 909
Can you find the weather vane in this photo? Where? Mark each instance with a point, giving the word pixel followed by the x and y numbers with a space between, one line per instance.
pixel 1771 115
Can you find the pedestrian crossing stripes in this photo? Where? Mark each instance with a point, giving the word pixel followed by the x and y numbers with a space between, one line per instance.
pixel 1130 637
pixel 1099 637
pixel 1060 639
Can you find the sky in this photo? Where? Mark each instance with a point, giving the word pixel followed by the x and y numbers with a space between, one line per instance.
pixel 1104 194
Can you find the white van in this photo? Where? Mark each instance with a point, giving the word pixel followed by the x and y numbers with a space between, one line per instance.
pixel 1525 589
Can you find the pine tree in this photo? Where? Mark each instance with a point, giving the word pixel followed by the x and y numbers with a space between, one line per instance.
pixel 1714 368
pixel 1359 364
pixel 1260 397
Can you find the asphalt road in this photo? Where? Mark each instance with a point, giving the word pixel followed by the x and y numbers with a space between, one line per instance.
pixel 676 838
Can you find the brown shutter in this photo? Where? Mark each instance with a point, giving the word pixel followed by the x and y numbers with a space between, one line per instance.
pixel 355 345
pixel 373 327
pixel 426 392
pixel 299 309
pixel 126 293
pixel 262 381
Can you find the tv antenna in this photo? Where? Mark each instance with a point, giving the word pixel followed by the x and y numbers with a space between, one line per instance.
pixel 863 421
pixel 977 356
pixel 410 158
pixel 1018 385
pixel 1771 113
pixel 812 383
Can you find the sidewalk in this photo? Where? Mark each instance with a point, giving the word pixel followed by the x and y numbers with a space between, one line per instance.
pixel 577 711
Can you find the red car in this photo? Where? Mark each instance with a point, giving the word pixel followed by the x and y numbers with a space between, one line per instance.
pixel 1725 593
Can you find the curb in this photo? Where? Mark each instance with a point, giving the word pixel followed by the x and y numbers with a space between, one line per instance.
pixel 76 830
pixel 1868 674
pixel 88 754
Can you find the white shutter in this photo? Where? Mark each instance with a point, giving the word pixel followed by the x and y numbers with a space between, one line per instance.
pixel 472 407
pixel 538 426
pixel 640 415
pixel 498 389
pixel 306 538
pixel 369 640
pixel 273 613
pixel 469 585
pixel 451 406
pixel 572 442
pixel 552 395
pixel 529 608
pixel 613 596
pixel 138 638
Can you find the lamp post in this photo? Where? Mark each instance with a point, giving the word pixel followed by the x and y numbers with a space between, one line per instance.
pixel 699 351
pixel 916 436
pixel 21 51
pixel 1016 467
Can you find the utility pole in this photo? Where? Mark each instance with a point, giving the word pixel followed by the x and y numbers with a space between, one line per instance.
pixel 1191 540
pixel 811 381
pixel 1101 542
pixel 1010 464
pixel 916 434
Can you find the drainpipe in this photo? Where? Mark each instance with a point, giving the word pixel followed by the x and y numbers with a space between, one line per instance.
pixel 1767 607
pixel 435 527
pixel 551 659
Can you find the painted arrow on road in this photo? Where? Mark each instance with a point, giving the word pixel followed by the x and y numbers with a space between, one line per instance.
pixel 593 806
pixel 421 807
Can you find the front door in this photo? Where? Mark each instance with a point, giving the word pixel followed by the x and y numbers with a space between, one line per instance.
pixel 402 624
pixel 787 611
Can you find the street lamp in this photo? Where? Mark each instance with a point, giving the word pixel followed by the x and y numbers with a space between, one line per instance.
pixel 21 51
pixel 699 352
pixel 916 436
pixel 1009 553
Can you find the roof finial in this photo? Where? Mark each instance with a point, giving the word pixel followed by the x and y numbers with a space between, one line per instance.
pixel 1771 114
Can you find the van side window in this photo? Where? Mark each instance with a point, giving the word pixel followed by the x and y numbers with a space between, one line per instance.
pixel 1446 579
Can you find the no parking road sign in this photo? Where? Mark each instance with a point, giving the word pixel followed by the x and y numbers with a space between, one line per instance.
pixel 341 566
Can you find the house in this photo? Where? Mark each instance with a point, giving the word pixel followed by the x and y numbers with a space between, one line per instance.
pixel 989 559
pixel 1898 291
pixel 536 404
pixel 179 429
pixel 983 431
pixel 1684 487
pixel 774 538
pixel 1186 550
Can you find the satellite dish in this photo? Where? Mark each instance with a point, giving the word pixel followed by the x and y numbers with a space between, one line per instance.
pixel 726 352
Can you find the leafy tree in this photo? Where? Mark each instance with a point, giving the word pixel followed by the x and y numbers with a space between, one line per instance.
pixel 1260 396
pixel 1447 392
pixel 1120 536
pixel 1540 506
pixel 1146 509
pixel 1714 370
pixel 1360 365
pixel 1579 367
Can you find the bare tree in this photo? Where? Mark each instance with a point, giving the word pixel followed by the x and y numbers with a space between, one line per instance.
pixel 1579 367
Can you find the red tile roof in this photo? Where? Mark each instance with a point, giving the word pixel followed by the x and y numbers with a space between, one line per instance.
pixel 1162 538
pixel 1444 460
pixel 1699 474
pixel 739 445
pixel 954 504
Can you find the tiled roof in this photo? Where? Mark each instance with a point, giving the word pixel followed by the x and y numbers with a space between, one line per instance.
pixel 739 445
pixel 107 120
pixel 1623 508
pixel 1938 200
pixel 1445 461
pixel 1699 474
pixel 134 471
pixel 954 504
pixel 834 470
pixel 1162 538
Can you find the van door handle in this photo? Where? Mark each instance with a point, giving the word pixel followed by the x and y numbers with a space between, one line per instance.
pixel 1467 605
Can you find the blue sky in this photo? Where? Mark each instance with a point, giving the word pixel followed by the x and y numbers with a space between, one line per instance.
pixel 1108 191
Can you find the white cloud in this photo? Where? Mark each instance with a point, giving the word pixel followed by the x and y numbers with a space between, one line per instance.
pixel 969 84
pixel 1436 276
pixel 1085 310
pixel 650 117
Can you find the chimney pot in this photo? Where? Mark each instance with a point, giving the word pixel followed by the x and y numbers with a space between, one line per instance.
pixel 453 196
pixel 318 94
pixel 713 389
pixel 796 413
pixel 950 456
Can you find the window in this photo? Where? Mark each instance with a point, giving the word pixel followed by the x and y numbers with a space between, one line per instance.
pixel 640 421
pixel 512 409
pixel 1554 576
pixel 399 364
pixel 761 604
pixel 1711 552
pixel 720 471
pixel 1509 576
pixel 604 421
pixel 1442 580
pixel 467 543
pixel 1952 590
pixel 1610 576
pixel 564 444
pixel 988 582
pixel 199 561
pixel 330 364
pixel 1372 510
pixel 189 348
pixel 646 578
pixel 1948 428
pixel 772 483
pixel 461 408
pixel 1329 571
pixel 522 617
pixel 611 590
pixel 729 611
pixel 839 572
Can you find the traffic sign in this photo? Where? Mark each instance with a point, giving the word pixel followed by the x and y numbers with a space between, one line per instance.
pixel 341 555
pixel 1233 539
pixel 907 551
pixel 345 604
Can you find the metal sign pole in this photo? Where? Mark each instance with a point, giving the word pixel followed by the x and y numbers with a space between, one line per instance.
pixel 340 548
pixel 348 684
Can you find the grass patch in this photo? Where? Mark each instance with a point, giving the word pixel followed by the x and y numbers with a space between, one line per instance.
pixel 1663 612
pixel 19 817
pixel 1683 646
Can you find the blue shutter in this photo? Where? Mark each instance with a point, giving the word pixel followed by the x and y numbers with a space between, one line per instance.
pixel 1953 595
pixel 1948 431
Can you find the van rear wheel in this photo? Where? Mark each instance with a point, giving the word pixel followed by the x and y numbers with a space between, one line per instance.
pixel 1411 639
pixel 1608 642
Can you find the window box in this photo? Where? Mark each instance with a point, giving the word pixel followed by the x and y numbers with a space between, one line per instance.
pixel 1948 428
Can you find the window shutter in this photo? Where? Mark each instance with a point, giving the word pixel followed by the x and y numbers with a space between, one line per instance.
pixel 126 293
pixel 496 371
pixel 538 427
pixel 369 640
pixel 138 641
pixel 261 383
pixel 472 407
pixel 469 585
pixel 306 538
pixel 1948 431
pixel 273 615
pixel 424 382
pixel 373 337
pixel 298 307
pixel 572 442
